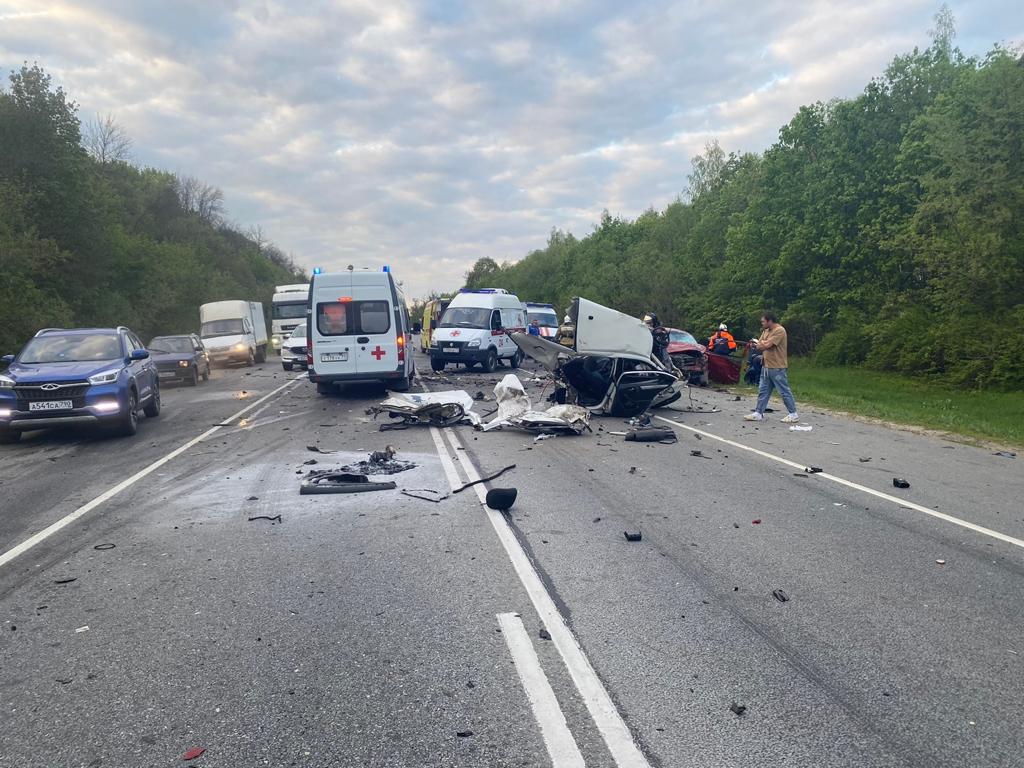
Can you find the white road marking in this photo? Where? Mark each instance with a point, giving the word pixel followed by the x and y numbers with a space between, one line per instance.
pixel 65 521
pixel 446 461
pixel 858 487
pixel 554 730
pixel 612 727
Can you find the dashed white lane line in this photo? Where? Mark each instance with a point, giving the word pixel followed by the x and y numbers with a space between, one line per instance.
pixel 606 716
pixel 554 730
pixel 857 486
pixel 65 521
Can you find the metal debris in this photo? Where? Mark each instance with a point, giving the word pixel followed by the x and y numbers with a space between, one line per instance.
pixel 437 498
pixel 637 536
pixel 737 709
pixel 340 482
pixel 899 482
pixel 272 519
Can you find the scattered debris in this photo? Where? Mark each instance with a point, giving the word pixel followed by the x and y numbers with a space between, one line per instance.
pixel 496 475
pixel 699 454
pixel 463 734
pixel 63 681
pixel 255 498
pixel 317 449
pixel 1005 454
pixel 940 562
pixel 310 462
pixel 82 629
pixel 438 409
pixel 779 595
pixel 437 498
pixel 648 434
pixel 863 459
pixel 735 525
pixel 738 709
pixel 479 396
pixel 340 482
pixel 813 470
pixel 272 519
pixel 632 470
pixel 65 581
pixel 640 421
pixel 380 463
pixel 736 399
pixel 515 410
pixel 501 499
pixel 544 436
pixel 899 482
pixel 192 754
pixel 544 634
pixel 801 428
pixel 637 536
pixel 756 522
pixel 104 547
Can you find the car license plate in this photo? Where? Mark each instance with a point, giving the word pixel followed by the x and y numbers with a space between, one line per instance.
pixel 166 375
pixel 450 350
pixel 51 405
pixel 334 357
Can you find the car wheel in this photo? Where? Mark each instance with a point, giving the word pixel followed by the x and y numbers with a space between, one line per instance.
pixel 436 365
pixel 287 366
pixel 206 376
pixel 492 361
pixel 324 389
pixel 9 436
pixel 130 421
pixel 517 359
pixel 152 409
pixel 194 381
pixel 252 359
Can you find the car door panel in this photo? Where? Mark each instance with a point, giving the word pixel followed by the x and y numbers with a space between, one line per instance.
pixel 635 391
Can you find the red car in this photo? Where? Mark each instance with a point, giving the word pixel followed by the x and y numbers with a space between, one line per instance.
pixel 688 356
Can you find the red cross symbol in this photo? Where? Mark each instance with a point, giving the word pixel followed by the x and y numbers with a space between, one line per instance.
pixel 456 333
pixel 378 353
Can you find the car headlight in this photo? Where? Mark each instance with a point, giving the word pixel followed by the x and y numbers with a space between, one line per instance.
pixel 184 363
pixel 474 343
pixel 240 347
pixel 6 382
pixel 106 377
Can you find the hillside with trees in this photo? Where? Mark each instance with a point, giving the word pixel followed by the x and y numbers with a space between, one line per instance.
pixel 887 229
pixel 88 239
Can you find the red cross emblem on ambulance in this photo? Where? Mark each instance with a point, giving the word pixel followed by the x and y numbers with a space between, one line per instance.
pixel 378 353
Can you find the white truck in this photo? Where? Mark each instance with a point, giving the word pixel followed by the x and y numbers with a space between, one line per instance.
pixel 234 331
pixel 287 311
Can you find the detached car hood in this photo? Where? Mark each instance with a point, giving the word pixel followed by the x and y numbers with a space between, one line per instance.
pixel 549 354
pixel 608 332
pixel 30 373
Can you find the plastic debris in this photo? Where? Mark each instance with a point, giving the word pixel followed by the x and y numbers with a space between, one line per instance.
pixel 737 709
pixel 272 519
pixel 813 470
pixel 779 595
pixel 437 497
pixel 501 499
pixel 940 562
pixel 192 754
pixel 340 482
pixel 756 522
pixel 496 475
pixel 899 482
pixel 65 581
pixel 801 428
pixel 1005 454
pixel 104 547
pixel 863 459
pixel 463 734
pixel 438 409
pixel 637 536
pixel 80 630
pixel 648 434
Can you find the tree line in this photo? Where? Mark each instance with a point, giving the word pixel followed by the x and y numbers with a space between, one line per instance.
pixel 88 239
pixel 886 229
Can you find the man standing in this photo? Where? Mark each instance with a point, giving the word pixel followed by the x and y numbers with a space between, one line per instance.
pixel 772 344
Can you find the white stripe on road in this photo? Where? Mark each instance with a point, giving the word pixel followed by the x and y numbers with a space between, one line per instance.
pixel 554 730
pixel 858 487
pixel 612 727
pixel 65 521
pixel 446 461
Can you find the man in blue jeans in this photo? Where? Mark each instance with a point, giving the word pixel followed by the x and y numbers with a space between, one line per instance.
pixel 772 345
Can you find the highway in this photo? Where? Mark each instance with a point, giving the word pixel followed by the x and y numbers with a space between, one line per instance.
pixel 769 616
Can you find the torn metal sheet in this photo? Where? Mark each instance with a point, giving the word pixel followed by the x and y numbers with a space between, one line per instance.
pixel 512 400
pixel 516 410
pixel 439 409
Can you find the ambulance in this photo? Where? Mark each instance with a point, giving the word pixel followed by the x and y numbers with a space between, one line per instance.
pixel 475 329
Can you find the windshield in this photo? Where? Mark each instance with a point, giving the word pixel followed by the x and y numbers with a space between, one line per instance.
pixel 288 311
pixel 300 331
pixel 681 337
pixel 170 344
pixel 466 317
pixel 221 328
pixel 546 318
pixel 71 349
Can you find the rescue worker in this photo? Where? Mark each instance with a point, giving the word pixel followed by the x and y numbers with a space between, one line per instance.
pixel 660 335
pixel 534 329
pixel 722 342
pixel 567 332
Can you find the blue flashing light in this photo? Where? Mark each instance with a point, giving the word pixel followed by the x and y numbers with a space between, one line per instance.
pixel 318 270
pixel 479 290
pixel 386 268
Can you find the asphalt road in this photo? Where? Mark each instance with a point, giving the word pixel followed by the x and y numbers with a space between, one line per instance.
pixel 374 629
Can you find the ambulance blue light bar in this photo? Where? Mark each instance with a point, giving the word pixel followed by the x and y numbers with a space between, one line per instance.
pixel 318 270
pixel 386 268
pixel 482 290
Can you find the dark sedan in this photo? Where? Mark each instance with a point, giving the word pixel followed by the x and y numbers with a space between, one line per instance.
pixel 180 358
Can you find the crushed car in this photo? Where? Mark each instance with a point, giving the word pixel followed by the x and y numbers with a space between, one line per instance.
pixel 610 368
pixel 689 356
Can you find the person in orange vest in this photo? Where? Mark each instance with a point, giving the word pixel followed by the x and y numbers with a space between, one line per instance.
pixel 722 343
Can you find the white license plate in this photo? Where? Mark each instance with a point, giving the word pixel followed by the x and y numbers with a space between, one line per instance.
pixel 450 350
pixel 51 405
pixel 334 357
pixel 166 375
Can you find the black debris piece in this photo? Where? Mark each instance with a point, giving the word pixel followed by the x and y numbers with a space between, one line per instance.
pixel 736 399
pixel 647 434
pixel 735 525
pixel 389 426
pixel 470 684
pixel 779 595
pixel 463 734
pixel 340 482
pixel 496 475
pixel 738 709
pixel 63 681
pixel 104 547
pixel 65 581
pixel 637 536
pixel 479 396
pixel 813 470
pixel 437 497
pixel 632 470
pixel 317 449
pixel 699 454
pixel 310 462
pixel 253 498
pixel 863 459
pixel 501 499
pixel 800 474
pixel 544 634
pixel 273 519
pixel 1005 454
pixel 899 482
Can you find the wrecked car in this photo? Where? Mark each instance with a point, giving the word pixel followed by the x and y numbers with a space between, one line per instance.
pixel 689 356
pixel 610 369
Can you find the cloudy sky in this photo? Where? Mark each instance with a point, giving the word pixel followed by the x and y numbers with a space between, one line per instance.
pixel 428 134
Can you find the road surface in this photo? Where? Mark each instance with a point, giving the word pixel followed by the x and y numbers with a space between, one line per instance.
pixel 144 615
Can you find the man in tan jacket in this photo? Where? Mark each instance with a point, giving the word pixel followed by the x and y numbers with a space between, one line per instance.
pixel 772 344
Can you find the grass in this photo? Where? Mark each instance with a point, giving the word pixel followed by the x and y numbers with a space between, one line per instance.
pixel 994 416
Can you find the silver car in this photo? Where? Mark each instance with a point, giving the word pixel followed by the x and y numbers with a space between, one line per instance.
pixel 293 348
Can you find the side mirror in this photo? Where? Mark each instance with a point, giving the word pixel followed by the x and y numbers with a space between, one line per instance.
pixel 139 354
pixel 7 359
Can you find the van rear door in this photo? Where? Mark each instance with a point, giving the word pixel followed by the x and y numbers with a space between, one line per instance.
pixel 373 317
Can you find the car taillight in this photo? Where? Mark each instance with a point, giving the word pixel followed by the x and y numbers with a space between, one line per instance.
pixel 309 351
pixel 401 348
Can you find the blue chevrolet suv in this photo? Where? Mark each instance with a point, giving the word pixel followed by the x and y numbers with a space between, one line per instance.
pixel 73 377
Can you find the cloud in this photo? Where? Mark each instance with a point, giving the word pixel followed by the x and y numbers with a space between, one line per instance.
pixel 425 135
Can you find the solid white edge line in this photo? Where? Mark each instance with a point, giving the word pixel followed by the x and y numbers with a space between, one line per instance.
pixel 596 698
pixel 554 729
pixel 65 521
pixel 858 487
pixel 446 461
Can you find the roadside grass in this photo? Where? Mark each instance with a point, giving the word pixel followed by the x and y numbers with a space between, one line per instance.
pixel 995 416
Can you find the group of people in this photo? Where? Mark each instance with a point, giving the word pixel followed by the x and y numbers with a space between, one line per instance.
pixel 770 346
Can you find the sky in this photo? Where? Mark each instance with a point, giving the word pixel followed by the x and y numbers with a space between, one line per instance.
pixel 425 135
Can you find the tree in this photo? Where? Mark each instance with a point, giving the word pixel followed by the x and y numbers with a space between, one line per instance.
pixel 200 198
pixel 707 169
pixel 106 141
pixel 483 273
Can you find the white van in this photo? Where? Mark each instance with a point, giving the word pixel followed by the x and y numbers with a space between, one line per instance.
pixel 475 327
pixel 358 330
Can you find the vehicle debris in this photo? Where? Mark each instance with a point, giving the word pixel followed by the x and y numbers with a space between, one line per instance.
pixel 543 436
pixel 779 595
pixel 756 522
pixel 515 410
pixel 737 709
pixel 899 482
pixel 104 547
pixel 637 536
pixel 813 470
pixel 940 562
pixel 317 449
pixel 380 463
pixel 438 409
pixel 501 499
pixel 340 482
pixel 863 459
pixel 192 754
pixel 82 629
pixel 272 519
pixel 463 734
pixel 648 434
pixel 496 475
pixel 801 428
pixel 65 581
pixel 699 454
pixel 1005 454
pixel 437 498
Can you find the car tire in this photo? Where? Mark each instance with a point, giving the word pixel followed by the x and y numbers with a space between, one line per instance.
pixel 252 359
pixel 130 421
pixel 194 380
pixel 491 364
pixel 436 365
pixel 517 359
pixel 324 389
pixel 287 366
pixel 152 409
pixel 9 436
pixel 206 376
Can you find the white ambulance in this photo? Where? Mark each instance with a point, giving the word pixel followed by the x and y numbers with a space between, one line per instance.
pixel 474 330
pixel 358 330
